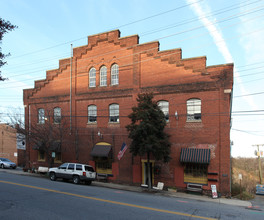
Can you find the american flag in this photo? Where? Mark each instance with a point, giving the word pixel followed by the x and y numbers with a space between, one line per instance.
pixel 122 151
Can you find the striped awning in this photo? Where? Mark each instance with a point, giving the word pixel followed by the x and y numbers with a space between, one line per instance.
pixel 193 155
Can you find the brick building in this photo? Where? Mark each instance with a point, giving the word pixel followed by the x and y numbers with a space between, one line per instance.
pixel 8 147
pixel 93 93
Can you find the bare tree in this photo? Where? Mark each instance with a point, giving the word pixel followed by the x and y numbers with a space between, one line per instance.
pixel 47 136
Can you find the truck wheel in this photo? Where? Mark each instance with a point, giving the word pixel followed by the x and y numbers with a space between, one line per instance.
pixel 76 179
pixel 53 176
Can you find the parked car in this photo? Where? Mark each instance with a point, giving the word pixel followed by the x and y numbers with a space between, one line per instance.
pixel 6 163
pixel 73 171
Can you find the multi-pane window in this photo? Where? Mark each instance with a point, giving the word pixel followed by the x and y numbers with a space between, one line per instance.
pixel 92 113
pixel 194 110
pixel 195 173
pixel 114 113
pixel 92 77
pixel 57 115
pixel 115 75
pixel 41 155
pixel 57 157
pixel 41 116
pixel 164 107
pixel 103 76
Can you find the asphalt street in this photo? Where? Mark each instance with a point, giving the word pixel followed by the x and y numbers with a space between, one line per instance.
pixel 27 197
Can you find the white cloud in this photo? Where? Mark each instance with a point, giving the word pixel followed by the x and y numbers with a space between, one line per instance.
pixel 214 31
pixel 251 43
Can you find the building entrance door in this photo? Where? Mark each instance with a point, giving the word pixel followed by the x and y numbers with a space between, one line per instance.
pixel 145 172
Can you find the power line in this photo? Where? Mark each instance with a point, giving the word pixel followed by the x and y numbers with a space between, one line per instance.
pixel 83 67
pixel 225 19
pixel 127 24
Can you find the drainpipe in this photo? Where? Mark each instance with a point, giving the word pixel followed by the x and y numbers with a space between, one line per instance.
pixel 71 94
pixel 231 143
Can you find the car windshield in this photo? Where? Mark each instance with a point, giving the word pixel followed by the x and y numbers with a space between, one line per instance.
pixel 6 160
pixel 63 166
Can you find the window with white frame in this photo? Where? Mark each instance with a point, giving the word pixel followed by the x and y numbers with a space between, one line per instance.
pixel 92 77
pixel 194 110
pixel 114 113
pixel 92 113
pixel 103 76
pixel 57 115
pixel 41 116
pixel 164 107
pixel 115 75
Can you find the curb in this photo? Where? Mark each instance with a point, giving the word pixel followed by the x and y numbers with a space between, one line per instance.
pixel 235 202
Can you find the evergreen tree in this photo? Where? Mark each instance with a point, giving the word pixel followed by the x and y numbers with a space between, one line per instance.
pixel 147 131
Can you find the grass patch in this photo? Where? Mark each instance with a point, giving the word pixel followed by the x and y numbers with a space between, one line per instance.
pixel 245 196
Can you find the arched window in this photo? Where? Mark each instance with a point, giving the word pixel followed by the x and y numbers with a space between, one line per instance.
pixel 57 115
pixel 194 109
pixel 164 107
pixel 41 116
pixel 103 76
pixel 114 113
pixel 92 77
pixel 115 75
pixel 92 114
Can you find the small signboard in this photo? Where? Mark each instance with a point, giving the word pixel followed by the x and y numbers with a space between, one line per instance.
pixel 21 141
pixel 53 154
pixel 214 192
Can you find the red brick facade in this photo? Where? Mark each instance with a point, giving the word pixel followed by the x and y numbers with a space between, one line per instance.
pixel 142 68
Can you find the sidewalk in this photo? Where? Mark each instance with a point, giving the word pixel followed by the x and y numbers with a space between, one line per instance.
pixel 235 202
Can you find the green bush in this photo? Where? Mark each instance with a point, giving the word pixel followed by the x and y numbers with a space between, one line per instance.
pixel 235 189
pixel 245 196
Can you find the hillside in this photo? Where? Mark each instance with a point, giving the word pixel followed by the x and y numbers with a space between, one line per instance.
pixel 249 169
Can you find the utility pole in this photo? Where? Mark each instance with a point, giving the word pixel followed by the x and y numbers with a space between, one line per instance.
pixel 259 159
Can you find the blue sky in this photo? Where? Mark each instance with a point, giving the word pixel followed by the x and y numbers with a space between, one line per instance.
pixel 224 31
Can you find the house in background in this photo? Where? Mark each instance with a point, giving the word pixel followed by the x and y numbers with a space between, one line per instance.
pixel 92 94
pixel 10 146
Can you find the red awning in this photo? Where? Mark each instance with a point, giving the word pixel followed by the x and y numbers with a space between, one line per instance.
pixel 193 155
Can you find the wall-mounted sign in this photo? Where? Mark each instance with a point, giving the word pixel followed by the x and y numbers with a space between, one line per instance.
pixel 21 141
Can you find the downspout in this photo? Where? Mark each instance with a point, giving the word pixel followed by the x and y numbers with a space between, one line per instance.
pixel 231 105
pixel 71 94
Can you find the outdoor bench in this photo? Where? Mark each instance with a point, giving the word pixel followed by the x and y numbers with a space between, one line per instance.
pixel 102 176
pixel 194 187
